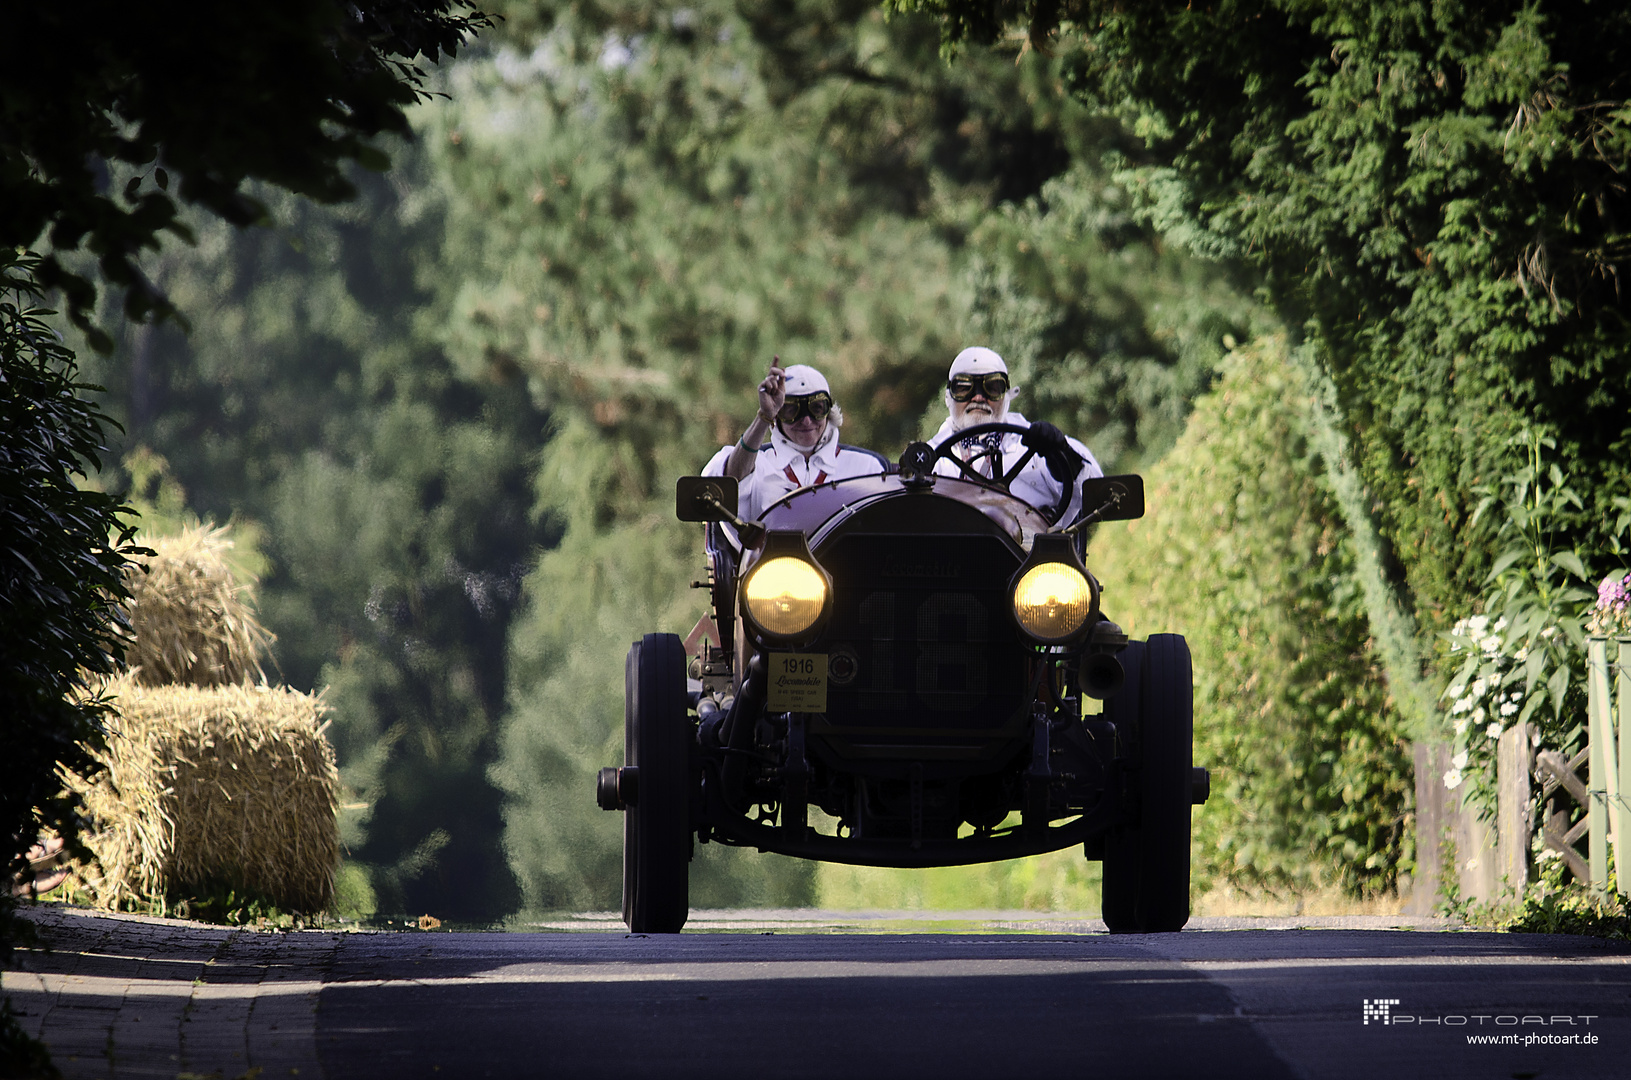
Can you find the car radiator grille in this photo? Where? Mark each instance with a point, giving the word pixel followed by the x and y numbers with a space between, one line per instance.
pixel 921 643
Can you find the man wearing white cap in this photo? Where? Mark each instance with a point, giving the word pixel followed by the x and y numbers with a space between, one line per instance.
pixel 978 391
pixel 796 409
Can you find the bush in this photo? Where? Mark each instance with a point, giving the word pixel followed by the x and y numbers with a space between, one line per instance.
pixel 63 552
pixel 1243 552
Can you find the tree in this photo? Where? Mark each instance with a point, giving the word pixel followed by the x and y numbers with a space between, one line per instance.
pixel 1433 193
pixel 284 93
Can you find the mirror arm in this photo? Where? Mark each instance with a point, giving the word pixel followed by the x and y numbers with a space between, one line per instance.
pixel 750 534
pixel 1083 522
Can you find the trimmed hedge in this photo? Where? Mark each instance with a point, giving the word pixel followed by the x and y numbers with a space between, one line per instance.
pixel 1244 552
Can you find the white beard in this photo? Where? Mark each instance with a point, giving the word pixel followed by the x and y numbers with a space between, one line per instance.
pixel 968 417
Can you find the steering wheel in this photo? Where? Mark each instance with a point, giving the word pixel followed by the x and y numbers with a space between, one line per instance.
pixel 948 450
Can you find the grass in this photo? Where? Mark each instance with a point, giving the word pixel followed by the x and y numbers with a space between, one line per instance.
pixel 1056 881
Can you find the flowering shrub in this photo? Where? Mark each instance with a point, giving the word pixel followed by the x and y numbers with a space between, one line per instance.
pixel 1526 651
pixel 1612 616
pixel 1492 691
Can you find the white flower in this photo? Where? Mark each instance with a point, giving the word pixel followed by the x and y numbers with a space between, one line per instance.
pixel 1461 706
pixel 1461 727
pixel 1548 853
pixel 1460 627
pixel 1460 760
pixel 1478 687
pixel 1458 689
pixel 1478 715
pixel 1548 632
pixel 1494 731
pixel 1452 779
pixel 1477 623
pixel 1500 624
pixel 1491 645
pixel 1521 655
pixel 1509 708
pixel 1534 740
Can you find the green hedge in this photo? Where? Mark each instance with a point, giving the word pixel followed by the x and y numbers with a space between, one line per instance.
pixel 1243 552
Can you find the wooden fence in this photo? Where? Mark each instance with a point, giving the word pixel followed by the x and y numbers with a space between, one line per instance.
pixel 1492 862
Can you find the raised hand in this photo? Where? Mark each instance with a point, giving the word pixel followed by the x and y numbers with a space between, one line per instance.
pixel 773 391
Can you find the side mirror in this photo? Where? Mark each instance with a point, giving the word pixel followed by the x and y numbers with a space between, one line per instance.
pixel 713 498
pixel 705 498
pixel 1113 498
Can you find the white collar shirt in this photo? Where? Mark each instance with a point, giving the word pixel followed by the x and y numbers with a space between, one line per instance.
pixel 1035 484
pixel 781 467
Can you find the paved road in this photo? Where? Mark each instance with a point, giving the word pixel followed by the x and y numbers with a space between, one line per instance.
pixel 1258 1000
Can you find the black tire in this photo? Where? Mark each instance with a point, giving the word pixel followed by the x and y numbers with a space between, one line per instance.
pixel 657 828
pixel 1167 733
pixel 1118 898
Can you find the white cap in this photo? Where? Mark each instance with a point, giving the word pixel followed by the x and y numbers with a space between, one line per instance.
pixel 803 379
pixel 976 360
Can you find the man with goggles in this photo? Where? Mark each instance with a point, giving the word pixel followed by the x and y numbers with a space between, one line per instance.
pixel 979 391
pixel 964 388
pixel 797 412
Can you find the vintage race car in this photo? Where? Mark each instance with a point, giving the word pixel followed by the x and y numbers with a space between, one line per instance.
pixel 908 653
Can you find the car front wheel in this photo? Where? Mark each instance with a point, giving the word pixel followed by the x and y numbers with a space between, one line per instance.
pixel 656 825
pixel 1167 733
pixel 1146 865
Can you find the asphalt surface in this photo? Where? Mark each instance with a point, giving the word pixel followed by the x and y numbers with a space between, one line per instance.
pixel 821 995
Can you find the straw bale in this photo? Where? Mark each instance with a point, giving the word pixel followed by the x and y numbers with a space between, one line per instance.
pixel 191 621
pixel 227 785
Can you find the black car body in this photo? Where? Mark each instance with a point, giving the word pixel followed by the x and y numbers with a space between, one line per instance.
pixel 911 680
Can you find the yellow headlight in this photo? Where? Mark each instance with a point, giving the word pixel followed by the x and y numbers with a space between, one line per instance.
pixel 785 595
pixel 1052 601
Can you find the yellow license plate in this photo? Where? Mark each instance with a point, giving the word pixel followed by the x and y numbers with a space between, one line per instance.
pixel 798 682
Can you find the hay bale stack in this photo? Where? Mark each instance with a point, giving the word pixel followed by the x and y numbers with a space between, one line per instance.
pixel 229 785
pixel 191 622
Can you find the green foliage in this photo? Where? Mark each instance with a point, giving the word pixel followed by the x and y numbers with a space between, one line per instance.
pixel 1552 907
pixel 63 551
pixel 1433 191
pixel 646 203
pixel 1111 333
pixel 1243 551
pixel 354 896
pixel 219 902
pixel 292 92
